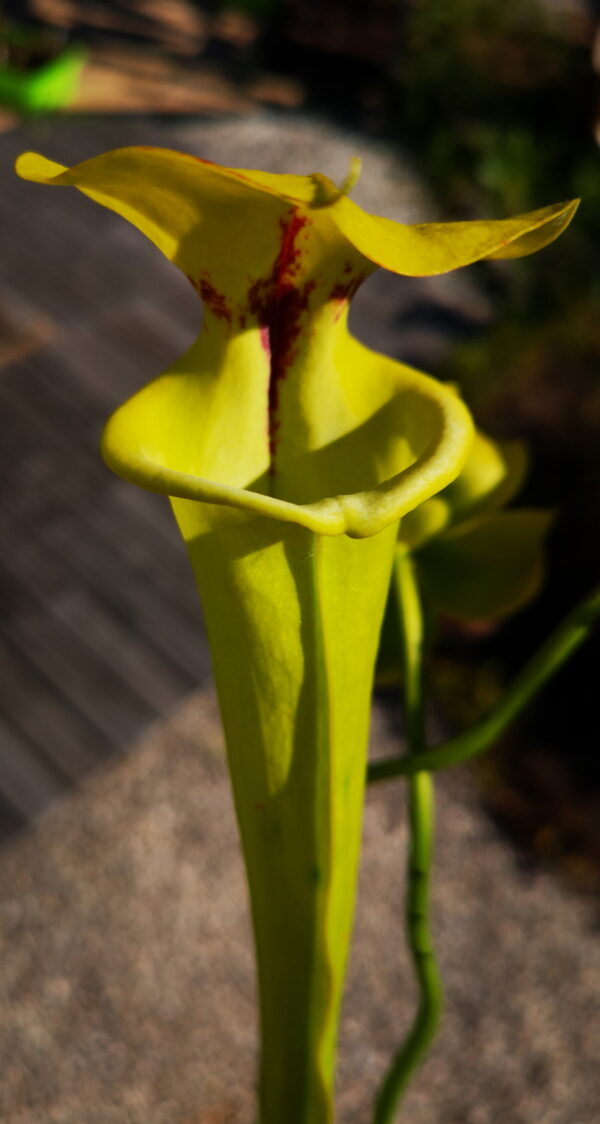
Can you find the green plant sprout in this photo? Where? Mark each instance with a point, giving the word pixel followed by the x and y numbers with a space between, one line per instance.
pixel 294 457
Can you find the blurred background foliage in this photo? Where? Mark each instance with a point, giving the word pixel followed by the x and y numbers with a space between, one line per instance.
pixel 496 103
pixel 507 99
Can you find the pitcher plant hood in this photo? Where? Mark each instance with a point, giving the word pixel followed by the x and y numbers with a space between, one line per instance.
pixel 293 418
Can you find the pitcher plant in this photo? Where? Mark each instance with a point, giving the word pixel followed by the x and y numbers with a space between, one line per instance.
pixel 294 457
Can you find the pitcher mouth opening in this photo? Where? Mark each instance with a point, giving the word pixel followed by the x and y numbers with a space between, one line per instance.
pixel 358 513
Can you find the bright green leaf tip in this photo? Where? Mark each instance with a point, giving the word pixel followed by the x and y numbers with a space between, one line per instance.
pixel 352 176
pixel 326 193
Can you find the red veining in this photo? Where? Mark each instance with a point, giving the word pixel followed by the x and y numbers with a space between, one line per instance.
pixel 265 340
pixel 234 172
pixel 278 303
pixel 345 290
pixel 201 160
pixel 212 298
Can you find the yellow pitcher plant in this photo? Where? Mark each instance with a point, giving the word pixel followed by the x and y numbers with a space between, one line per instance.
pixel 290 453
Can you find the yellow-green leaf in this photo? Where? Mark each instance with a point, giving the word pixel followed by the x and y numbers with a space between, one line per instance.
pixel 492 474
pixel 293 621
pixel 290 452
pixel 488 566
pixel 431 248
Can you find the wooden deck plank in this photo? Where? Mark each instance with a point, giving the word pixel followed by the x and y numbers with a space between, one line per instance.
pixel 40 467
pixel 26 781
pixel 113 527
pixel 100 629
pixel 79 668
pixel 59 734
pixel 145 671
pixel 142 605
pixel 46 577
pixel 50 452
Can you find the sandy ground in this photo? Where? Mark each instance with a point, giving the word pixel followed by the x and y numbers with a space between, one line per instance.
pixel 128 994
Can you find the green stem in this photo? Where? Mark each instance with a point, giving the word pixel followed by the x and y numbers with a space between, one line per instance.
pixel 421 817
pixel 560 646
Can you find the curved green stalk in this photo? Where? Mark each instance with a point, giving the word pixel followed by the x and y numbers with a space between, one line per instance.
pixel 421 814
pixel 556 650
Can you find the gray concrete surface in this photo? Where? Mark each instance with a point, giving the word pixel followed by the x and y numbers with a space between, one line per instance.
pixel 127 987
